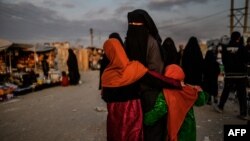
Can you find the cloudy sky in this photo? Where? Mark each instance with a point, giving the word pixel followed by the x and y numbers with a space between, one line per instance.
pixel 37 21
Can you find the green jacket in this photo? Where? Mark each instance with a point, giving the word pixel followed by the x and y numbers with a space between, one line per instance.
pixel 188 128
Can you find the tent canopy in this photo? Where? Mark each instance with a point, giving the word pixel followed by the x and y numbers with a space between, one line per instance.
pixel 40 48
pixel 32 48
pixel 4 44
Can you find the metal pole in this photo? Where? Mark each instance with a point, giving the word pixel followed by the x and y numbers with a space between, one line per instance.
pixel 232 17
pixel 245 18
pixel 91 36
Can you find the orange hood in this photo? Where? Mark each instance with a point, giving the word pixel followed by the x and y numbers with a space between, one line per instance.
pixel 120 71
pixel 179 101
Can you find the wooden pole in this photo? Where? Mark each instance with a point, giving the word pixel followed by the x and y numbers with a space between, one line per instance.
pixel 10 54
pixel 35 56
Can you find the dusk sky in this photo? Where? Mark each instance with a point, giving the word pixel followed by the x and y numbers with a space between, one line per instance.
pixel 38 21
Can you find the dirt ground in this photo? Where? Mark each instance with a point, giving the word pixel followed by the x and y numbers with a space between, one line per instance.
pixel 77 113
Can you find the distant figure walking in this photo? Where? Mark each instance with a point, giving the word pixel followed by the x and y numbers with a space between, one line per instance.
pixel 211 74
pixel 234 58
pixel 74 75
pixel 45 66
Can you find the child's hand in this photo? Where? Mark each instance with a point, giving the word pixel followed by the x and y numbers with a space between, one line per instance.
pixel 183 84
pixel 198 88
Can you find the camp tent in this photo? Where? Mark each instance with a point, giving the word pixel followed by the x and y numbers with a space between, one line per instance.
pixel 39 49
pixel 4 44
pixel 17 47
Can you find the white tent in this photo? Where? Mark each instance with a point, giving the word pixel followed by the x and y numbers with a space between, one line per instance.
pixel 4 44
pixel 39 48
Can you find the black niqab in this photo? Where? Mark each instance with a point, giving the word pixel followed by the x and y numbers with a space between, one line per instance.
pixel 137 35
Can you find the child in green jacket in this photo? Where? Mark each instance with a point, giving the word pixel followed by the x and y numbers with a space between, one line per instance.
pixel 178 104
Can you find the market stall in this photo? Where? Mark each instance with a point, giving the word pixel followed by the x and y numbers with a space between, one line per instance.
pixel 6 91
pixel 25 68
pixel 94 57
pixel 4 45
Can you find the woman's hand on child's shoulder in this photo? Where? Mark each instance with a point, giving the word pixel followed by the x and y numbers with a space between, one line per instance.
pixel 198 88
pixel 183 84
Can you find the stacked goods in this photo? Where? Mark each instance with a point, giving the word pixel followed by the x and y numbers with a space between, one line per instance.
pixel 95 56
pixel 6 91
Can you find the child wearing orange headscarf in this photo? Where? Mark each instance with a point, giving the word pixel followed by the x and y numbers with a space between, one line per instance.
pixel 178 104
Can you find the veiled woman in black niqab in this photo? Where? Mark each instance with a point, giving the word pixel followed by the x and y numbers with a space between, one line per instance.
pixel 137 35
pixel 143 43
pixel 192 62
pixel 171 55
pixel 72 63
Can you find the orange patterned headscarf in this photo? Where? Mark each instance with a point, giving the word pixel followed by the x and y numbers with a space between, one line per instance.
pixel 120 71
pixel 179 101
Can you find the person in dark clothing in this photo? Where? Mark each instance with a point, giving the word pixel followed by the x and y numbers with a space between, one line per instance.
pixel 211 73
pixel 104 60
pixel 248 60
pixel 143 43
pixel 192 62
pixel 248 47
pixel 116 36
pixel 180 53
pixel 234 58
pixel 45 66
pixel 74 75
pixel 171 55
pixel 248 50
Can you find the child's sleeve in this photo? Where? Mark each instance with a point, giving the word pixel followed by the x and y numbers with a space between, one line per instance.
pixel 202 98
pixel 158 111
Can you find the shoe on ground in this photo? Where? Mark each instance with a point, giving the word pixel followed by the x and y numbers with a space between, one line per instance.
pixel 217 109
pixel 242 117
